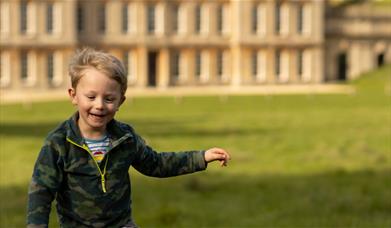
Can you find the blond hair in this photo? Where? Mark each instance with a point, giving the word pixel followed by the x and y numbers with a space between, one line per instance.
pixel 103 62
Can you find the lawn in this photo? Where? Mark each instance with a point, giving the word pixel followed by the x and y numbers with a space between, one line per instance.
pixel 297 161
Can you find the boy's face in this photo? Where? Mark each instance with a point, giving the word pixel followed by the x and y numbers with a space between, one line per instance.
pixel 97 98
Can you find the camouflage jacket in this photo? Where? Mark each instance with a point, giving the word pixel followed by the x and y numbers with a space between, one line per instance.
pixel 89 194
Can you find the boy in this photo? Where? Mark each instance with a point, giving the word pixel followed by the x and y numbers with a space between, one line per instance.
pixel 84 162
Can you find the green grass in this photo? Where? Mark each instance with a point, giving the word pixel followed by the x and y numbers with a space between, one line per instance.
pixel 297 161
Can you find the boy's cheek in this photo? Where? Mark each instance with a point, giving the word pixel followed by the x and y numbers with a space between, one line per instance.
pixel 74 101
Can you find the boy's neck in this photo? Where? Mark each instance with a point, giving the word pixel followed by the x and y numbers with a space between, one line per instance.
pixel 91 133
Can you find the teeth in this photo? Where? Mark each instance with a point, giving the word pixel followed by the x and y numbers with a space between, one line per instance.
pixel 97 115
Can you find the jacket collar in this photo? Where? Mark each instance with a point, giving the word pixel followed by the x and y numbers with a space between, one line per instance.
pixel 116 133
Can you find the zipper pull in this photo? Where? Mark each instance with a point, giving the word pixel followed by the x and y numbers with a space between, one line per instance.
pixel 103 183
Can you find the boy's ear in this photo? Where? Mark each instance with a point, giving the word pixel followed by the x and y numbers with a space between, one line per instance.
pixel 72 95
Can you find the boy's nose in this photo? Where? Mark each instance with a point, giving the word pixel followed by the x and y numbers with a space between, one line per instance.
pixel 99 104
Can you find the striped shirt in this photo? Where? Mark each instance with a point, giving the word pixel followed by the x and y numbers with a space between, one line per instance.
pixel 98 147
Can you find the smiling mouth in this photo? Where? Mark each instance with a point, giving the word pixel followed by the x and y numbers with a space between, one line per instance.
pixel 97 115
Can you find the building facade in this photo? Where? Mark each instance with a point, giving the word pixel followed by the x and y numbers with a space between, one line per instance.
pixel 166 43
pixel 358 39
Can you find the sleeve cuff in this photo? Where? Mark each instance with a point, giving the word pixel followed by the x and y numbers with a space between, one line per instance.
pixel 199 161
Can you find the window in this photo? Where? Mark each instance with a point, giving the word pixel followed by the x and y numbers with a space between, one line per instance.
pixel 182 20
pixel 53 18
pixel 102 18
pixel 175 18
pixel 300 18
pixel 277 63
pixel 125 18
pixel 198 19
pixel 49 18
pixel 254 19
pixel 202 66
pixel 198 64
pixel 220 63
pixel 220 19
pixel 129 64
pixel 50 67
pixel 23 17
pixel 128 18
pixel 151 19
pixel 254 63
pixel 175 65
pixel 28 17
pixel 258 65
pixel 23 65
pixel 223 19
pixel 300 63
pixel 125 60
pixel 277 18
pixel 258 18
pixel 201 20
pixel 282 18
pixel 28 67
pixel 80 18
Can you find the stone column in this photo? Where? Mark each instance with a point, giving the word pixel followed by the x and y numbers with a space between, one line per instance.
pixel 236 51
pixel 142 67
pixel 163 74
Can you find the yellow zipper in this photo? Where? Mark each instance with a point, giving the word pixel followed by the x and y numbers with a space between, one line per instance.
pixel 102 174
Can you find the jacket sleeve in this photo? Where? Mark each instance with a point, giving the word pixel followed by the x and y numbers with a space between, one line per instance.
pixel 167 164
pixel 46 179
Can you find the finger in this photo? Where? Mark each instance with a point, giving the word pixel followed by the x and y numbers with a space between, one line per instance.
pixel 223 163
pixel 224 160
pixel 225 154
pixel 222 157
pixel 220 151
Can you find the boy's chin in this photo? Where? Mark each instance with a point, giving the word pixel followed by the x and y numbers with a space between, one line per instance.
pixel 98 124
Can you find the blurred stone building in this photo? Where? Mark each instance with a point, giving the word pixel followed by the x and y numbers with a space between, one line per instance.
pixel 167 43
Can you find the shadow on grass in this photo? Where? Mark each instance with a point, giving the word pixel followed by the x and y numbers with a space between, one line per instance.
pixel 39 130
pixel 333 199
pixel 178 128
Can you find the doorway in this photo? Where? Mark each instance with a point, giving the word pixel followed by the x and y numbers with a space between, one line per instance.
pixel 380 59
pixel 152 68
pixel 342 67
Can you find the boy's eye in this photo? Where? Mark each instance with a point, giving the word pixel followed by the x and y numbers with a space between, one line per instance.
pixel 109 100
pixel 90 97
